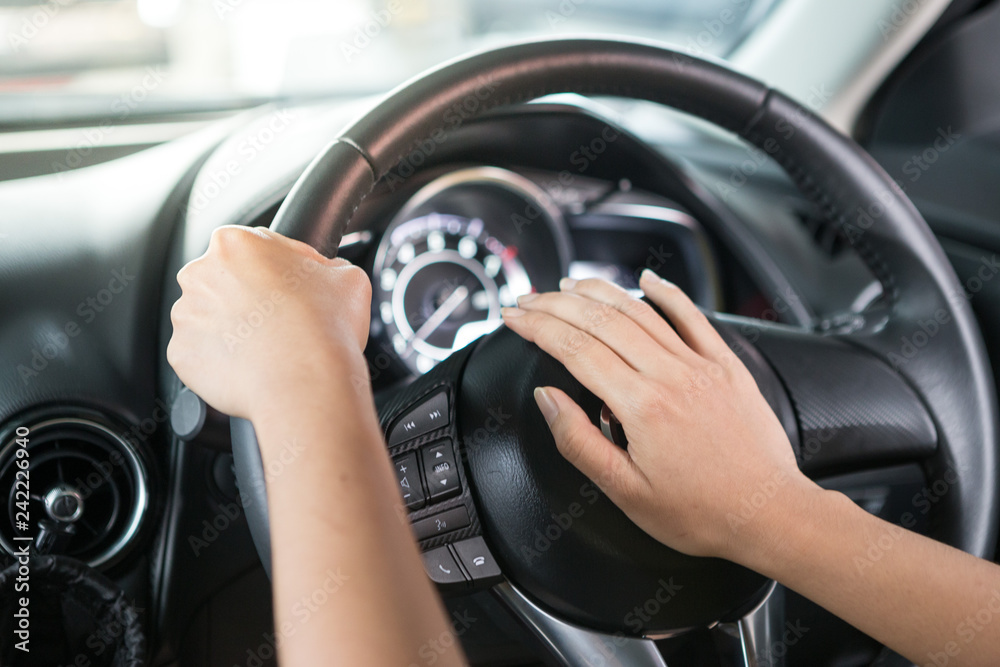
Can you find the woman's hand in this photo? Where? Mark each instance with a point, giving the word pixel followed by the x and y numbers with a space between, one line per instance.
pixel 261 313
pixel 701 438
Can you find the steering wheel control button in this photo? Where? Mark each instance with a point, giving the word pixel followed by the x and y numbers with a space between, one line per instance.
pixel 442 568
pixel 429 415
pixel 408 477
pixel 440 471
pixel 438 524
pixel 477 559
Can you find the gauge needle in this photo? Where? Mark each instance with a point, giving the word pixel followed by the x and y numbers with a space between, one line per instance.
pixel 453 301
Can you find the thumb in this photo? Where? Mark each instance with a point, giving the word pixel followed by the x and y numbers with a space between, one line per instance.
pixel 582 444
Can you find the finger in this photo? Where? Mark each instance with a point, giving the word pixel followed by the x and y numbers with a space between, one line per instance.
pixel 692 325
pixel 583 445
pixel 638 311
pixel 301 247
pixel 238 235
pixel 602 321
pixel 589 360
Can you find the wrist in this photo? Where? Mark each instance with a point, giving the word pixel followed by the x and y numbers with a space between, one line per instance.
pixel 777 522
pixel 331 371
pixel 329 381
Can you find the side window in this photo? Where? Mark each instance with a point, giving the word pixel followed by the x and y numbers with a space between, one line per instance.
pixel 935 126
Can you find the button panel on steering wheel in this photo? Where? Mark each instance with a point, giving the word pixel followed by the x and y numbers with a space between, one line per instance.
pixel 426 455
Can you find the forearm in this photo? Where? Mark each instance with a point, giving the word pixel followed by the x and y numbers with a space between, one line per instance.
pixel 347 573
pixel 922 598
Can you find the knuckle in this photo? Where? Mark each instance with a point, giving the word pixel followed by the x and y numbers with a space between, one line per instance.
pixel 698 381
pixel 224 237
pixel 714 370
pixel 573 343
pixel 592 284
pixel 184 276
pixel 625 490
pixel 174 353
pixel 571 444
pixel 634 308
pixel 187 276
pixel 599 315
pixel 651 404
pixel 175 314
pixel 356 279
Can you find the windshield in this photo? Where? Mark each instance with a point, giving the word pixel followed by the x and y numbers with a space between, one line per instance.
pixel 118 57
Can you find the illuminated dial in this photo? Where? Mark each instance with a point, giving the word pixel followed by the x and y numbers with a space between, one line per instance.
pixel 440 281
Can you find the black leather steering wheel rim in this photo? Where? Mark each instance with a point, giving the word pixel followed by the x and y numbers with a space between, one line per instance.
pixel 851 189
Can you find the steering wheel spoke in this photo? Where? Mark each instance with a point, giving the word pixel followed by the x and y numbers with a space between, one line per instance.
pixel 853 410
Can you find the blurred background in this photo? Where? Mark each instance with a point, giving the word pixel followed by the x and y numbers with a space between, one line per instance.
pixel 83 57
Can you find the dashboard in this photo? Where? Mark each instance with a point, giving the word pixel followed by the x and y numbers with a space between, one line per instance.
pixel 505 207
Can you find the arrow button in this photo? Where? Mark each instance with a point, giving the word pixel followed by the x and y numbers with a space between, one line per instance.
pixel 440 470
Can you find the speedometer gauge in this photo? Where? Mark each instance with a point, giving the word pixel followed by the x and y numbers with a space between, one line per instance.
pixel 454 256
pixel 443 280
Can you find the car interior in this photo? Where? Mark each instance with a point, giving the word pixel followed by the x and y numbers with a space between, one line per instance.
pixel 814 175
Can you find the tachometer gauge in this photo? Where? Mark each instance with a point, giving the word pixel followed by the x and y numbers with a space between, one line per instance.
pixel 454 257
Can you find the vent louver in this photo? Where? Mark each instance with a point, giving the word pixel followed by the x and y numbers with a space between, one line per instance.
pixel 88 490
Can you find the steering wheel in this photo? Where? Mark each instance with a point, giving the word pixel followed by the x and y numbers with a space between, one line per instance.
pixel 907 381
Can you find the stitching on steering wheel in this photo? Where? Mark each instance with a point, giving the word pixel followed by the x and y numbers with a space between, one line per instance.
pixel 803 178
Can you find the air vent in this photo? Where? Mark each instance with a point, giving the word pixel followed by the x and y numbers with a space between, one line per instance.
pixel 88 490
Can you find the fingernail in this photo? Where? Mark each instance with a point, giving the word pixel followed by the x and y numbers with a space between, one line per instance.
pixel 567 283
pixel 508 313
pixel 651 277
pixel 546 404
pixel 527 298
